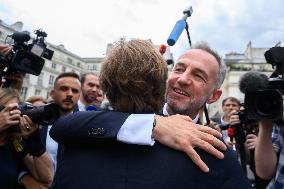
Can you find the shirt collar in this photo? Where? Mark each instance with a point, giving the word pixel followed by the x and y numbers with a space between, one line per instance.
pixel 81 106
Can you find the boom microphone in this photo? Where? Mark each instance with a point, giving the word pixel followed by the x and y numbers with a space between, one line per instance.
pixel 253 81
pixel 179 27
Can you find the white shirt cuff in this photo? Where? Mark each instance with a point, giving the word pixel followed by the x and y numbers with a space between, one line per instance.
pixel 137 129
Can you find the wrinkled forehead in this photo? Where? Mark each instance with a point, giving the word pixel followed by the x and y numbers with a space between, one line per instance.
pixel 200 59
pixel 201 55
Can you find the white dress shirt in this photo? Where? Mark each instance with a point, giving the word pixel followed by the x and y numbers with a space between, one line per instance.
pixel 137 129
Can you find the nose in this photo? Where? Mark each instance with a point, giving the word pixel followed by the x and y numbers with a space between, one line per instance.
pixel 95 88
pixel 70 92
pixel 184 79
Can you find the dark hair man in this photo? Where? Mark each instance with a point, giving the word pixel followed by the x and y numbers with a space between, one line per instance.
pixel 133 78
pixel 91 93
pixel 65 94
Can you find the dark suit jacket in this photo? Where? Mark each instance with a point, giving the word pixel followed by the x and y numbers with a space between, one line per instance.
pixel 109 164
pixel 43 135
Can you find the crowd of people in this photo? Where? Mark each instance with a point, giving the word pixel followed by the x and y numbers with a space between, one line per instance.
pixel 153 136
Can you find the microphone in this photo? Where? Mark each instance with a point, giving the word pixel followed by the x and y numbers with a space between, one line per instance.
pixel 231 134
pixel 92 108
pixel 179 26
pixel 253 81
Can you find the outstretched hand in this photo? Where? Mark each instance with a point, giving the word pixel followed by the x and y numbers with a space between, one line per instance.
pixel 181 133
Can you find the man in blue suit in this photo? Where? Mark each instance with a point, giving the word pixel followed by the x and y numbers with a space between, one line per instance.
pixel 133 78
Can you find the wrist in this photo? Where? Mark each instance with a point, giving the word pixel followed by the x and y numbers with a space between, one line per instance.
pixel 156 126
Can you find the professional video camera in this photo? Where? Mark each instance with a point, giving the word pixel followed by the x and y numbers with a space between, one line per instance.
pixel 42 115
pixel 26 58
pixel 263 96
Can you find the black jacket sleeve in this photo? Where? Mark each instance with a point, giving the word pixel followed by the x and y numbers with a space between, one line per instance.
pixel 87 127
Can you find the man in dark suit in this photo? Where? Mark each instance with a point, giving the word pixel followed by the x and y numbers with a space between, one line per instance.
pixel 133 78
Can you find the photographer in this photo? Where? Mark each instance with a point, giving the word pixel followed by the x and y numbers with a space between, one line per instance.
pixel 269 153
pixel 18 148
pixel 230 105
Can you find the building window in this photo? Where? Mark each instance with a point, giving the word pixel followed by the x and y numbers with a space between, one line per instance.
pixel 40 78
pixel 37 92
pixel 53 65
pixel 51 80
pixel 94 67
pixel 63 69
pixel 69 60
pixel 24 92
pixel 78 64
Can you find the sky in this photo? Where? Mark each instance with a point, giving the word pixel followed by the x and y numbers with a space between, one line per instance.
pixel 85 27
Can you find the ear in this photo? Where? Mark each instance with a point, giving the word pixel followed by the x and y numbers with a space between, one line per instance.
pixel 52 93
pixel 214 96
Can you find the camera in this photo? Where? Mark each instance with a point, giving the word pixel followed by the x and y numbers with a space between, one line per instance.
pixel 26 57
pixel 244 119
pixel 43 115
pixel 263 96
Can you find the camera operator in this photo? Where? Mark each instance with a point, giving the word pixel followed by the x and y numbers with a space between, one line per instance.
pixel 14 80
pixel 19 147
pixel 250 131
pixel 269 159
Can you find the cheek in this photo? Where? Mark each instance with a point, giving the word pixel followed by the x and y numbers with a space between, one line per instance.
pixel 76 97
pixel 60 96
pixel 172 80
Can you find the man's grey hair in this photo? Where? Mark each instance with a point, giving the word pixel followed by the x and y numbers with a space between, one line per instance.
pixel 222 66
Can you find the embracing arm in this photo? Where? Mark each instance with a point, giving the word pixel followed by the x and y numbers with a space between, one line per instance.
pixel 87 127
pixel 177 131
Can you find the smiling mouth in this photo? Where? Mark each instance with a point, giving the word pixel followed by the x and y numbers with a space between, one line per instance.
pixel 180 92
